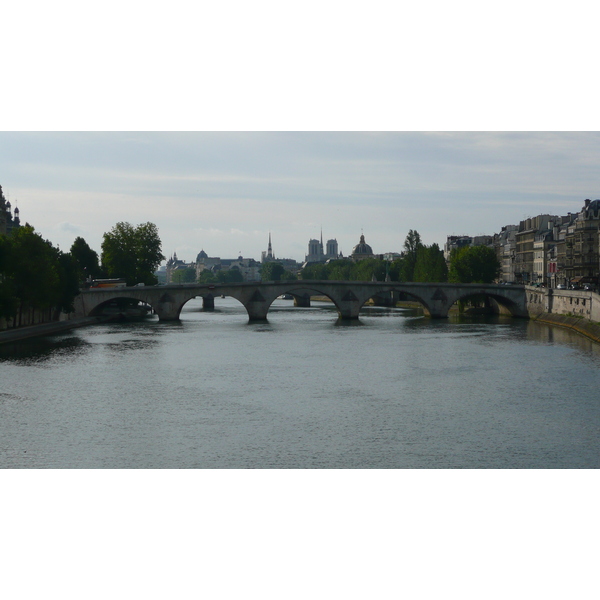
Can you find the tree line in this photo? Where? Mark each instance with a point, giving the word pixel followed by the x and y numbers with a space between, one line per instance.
pixel 270 271
pixel 418 262
pixel 38 281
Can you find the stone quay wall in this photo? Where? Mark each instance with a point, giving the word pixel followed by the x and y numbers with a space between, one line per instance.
pixel 575 309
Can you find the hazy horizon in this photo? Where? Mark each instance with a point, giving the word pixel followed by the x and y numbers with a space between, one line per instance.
pixel 225 192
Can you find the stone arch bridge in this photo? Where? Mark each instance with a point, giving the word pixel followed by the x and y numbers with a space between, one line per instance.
pixel 348 296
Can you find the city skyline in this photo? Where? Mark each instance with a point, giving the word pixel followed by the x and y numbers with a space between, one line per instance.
pixel 224 192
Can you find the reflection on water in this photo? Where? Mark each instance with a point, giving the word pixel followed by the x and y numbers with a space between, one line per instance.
pixel 541 332
pixel 394 390
pixel 38 350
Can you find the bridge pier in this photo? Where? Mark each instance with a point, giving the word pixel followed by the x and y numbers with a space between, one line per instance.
pixel 168 308
pixel 348 311
pixel 436 303
pixel 208 302
pixel 347 316
pixel 257 312
pixel 302 301
pixel 386 299
pixel 167 313
pixel 348 304
pixel 435 314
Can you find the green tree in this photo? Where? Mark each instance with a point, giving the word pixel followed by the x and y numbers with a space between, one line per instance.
pixel 69 288
pixel 412 243
pixel 289 276
pixel 85 259
pixel 8 299
pixel 474 264
pixel 233 275
pixel 315 272
pixel 346 270
pixel 366 270
pixel 119 253
pixel 430 265
pixel 34 269
pixel 340 270
pixel 149 252
pixel 272 271
pixel 397 269
pixel 207 277
pixel 35 276
pixel 38 276
pixel 133 253
pixel 187 275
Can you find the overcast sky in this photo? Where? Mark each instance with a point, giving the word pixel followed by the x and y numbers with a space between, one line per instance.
pixel 331 68
pixel 224 192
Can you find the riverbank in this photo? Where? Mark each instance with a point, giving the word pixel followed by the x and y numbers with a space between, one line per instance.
pixel 32 331
pixel 582 325
pixel 589 329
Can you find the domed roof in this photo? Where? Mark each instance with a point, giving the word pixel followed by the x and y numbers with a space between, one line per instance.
pixel 362 247
pixel 201 255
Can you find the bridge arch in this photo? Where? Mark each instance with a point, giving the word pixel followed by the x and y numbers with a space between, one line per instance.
pixel 208 300
pixel 120 304
pixel 349 297
pixel 503 304
pixel 412 294
pixel 259 302
pixel 303 289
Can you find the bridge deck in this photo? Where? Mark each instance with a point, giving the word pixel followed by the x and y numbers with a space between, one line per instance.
pixel 348 296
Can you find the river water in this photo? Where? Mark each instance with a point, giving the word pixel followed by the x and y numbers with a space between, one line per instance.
pixel 394 390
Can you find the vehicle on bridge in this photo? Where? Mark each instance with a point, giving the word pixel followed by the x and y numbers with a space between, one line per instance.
pixel 107 283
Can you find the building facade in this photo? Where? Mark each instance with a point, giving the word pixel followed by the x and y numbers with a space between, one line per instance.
pixel 317 252
pixel 525 239
pixel 248 267
pixel 505 246
pixel 174 264
pixel 582 251
pixel 454 242
pixel 362 250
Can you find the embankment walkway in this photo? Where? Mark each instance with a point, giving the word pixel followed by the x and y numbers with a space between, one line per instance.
pixel 32 331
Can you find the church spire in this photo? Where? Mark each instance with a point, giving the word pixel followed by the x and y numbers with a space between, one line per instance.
pixel 270 249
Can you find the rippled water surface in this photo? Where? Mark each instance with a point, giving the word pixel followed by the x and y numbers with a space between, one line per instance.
pixel 302 391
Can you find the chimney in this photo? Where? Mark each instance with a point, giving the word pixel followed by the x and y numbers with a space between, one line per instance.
pixel 587 202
